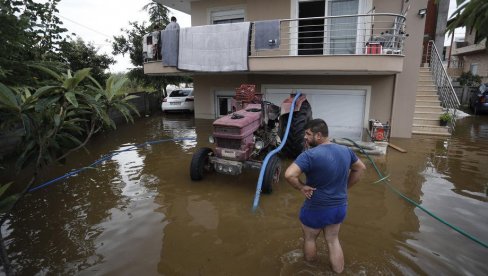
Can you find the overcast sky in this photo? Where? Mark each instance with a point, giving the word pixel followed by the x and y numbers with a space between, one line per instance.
pixel 97 21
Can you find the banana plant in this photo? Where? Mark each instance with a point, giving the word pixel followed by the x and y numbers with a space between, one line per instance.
pixel 57 119
pixel 112 97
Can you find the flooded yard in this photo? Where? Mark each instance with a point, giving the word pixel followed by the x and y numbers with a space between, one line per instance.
pixel 139 213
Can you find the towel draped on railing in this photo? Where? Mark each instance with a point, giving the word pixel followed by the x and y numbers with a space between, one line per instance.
pixel 169 47
pixel 267 34
pixel 214 48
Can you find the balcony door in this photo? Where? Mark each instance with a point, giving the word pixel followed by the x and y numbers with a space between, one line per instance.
pixel 342 32
pixel 333 36
pixel 311 31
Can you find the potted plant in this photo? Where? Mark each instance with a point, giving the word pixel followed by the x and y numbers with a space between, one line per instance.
pixel 445 118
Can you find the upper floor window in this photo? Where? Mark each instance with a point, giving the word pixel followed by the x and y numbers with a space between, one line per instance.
pixel 474 68
pixel 227 16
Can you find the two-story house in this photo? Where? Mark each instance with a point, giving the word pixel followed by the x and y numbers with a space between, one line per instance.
pixel 351 58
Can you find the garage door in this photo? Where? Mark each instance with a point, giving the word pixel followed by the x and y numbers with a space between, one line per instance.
pixel 343 110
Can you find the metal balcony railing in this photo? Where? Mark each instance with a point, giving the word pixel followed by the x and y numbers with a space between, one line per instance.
pixel 360 34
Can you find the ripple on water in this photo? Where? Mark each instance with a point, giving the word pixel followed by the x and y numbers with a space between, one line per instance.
pixel 140 213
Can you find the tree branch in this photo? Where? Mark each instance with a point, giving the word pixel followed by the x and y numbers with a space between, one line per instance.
pixel 92 131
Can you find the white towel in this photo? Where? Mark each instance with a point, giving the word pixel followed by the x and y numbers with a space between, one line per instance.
pixel 169 47
pixel 214 48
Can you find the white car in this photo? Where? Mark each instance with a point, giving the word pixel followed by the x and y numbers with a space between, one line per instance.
pixel 179 100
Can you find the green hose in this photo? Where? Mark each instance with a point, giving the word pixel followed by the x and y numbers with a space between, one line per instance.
pixel 385 180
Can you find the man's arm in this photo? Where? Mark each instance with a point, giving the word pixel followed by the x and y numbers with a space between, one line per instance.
pixel 357 170
pixel 292 175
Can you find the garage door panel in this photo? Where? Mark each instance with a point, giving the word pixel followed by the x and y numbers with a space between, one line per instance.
pixel 338 109
pixel 343 110
pixel 277 96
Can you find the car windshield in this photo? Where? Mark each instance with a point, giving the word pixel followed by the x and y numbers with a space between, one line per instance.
pixel 180 93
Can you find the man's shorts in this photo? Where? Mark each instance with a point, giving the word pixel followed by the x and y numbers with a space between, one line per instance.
pixel 320 218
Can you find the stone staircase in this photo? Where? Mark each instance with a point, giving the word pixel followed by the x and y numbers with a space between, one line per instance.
pixel 427 107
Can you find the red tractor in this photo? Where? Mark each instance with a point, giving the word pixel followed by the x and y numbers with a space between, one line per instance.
pixel 243 138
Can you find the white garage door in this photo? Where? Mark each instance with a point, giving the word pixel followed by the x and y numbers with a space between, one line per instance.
pixel 343 110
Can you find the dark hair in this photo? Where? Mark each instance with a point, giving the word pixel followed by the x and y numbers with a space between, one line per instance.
pixel 318 125
pixel 173 18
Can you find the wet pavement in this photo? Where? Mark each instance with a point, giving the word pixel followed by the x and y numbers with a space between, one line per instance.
pixel 139 212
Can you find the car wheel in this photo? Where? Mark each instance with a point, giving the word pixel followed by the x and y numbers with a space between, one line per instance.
pixel 271 175
pixel 200 164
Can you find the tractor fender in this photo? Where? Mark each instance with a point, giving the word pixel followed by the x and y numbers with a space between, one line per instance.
pixel 286 104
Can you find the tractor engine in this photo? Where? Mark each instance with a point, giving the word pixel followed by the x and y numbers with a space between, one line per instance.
pixel 234 133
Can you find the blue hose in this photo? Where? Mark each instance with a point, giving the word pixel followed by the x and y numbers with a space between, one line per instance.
pixel 273 152
pixel 104 158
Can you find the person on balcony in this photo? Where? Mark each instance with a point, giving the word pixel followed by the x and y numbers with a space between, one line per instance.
pixel 173 25
pixel 157 46
pixel 330 169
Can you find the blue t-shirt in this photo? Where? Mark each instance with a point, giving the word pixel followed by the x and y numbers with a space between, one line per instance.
pixel 327 169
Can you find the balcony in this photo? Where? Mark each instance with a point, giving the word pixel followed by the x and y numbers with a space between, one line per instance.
pixel 470 49
pixel 370 44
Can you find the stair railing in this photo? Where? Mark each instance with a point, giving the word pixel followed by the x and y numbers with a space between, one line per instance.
pixel 447 96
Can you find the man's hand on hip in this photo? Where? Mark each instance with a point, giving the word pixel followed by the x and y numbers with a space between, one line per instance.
pixel 307 191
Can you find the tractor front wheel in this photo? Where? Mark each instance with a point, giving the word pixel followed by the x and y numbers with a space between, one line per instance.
pixel 271 174
pixel 200 163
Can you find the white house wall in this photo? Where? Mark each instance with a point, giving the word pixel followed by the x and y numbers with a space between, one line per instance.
pixel 378 105
pixel 392 96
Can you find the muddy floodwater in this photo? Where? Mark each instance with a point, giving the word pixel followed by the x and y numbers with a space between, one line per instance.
pixel 138 212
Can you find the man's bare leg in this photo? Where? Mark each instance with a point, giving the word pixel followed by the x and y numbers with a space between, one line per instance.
pixel 309 244
pixel 336 255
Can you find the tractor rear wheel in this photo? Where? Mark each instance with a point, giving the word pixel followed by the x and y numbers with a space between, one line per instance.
pixel 295 142
pixel 271 175
pixel 200 164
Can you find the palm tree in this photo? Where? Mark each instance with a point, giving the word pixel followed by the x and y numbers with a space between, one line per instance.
pixel 472 14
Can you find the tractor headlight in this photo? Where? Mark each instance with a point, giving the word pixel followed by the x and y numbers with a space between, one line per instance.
pixel 259 145
pixel 211 139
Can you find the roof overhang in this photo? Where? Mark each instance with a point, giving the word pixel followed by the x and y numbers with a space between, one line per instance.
pixel 179 5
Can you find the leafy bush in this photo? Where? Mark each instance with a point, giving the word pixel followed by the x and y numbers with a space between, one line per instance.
pixel 446 117
pixel 467 78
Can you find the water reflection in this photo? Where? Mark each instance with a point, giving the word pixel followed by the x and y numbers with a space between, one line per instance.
pixel 453 190
pixel 180 125
pixel 139 213
pixel 129 166
pixel 55 232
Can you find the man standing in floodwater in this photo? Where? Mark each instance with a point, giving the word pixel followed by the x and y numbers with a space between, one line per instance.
pixel 330 170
